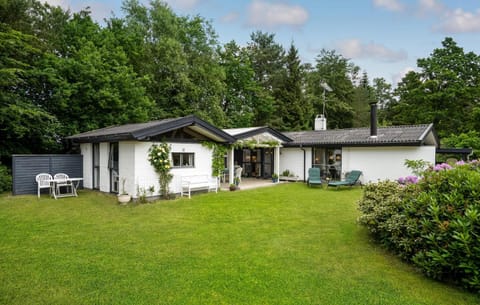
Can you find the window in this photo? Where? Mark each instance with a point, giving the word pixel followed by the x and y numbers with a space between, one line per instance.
pixel 183 159
pixel 329 160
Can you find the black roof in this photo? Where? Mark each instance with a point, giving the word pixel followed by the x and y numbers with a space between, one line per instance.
pixel 407 135
pixel 143 131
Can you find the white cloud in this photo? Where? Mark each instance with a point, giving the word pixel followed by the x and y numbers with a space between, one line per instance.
pixel 355 49
pixel 99 9
pixel 390 5
pixel 231 17
pixel 429 6
pixel 62 3
pixel 263 13
pixel 450 20
pixel 396 78
pixel 183 4
pixel 460 21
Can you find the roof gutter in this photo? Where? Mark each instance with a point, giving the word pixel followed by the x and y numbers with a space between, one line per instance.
pixel 304 160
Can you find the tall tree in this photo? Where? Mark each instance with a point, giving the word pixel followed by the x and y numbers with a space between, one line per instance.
pixel 337 72
pixel 25 126
pixel 445 91
pixel 241 88
pixel 267 58
pixel 91 85
pixel 295 110
pixel 383 96
pixel 363 96
pixel 178 54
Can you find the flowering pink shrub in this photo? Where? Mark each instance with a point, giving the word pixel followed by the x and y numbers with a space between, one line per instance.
pixel 442 166
pixel 408 180
pixel 433 223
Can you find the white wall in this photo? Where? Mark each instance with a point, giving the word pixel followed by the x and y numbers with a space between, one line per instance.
pixel 126 166
pixel 292 159
pixel 86 151
pixel 381 163
pixel 145 175
pixel 136 169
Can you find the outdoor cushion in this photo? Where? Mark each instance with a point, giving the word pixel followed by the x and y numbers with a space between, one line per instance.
pixel 314 177
pixel 350 179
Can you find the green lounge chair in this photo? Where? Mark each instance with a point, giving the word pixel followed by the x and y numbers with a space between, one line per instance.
pixel 314 177
pixel 350 179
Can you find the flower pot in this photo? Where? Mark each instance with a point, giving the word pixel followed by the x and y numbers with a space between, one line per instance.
pixel 124 198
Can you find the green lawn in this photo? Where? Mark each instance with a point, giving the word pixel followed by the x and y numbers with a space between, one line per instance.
pixel 286 244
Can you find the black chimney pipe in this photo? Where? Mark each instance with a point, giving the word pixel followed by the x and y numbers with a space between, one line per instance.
pixel 373 120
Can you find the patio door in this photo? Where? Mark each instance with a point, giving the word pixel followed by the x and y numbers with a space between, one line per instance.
pixel 267 162
pixel 113 166
pixel 96 166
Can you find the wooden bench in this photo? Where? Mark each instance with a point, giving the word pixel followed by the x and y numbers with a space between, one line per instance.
pixel 198 182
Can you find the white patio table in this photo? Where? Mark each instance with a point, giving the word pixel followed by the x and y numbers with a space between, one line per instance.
pixel 74 182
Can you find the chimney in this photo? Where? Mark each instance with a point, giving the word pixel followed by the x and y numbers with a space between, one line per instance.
pixel 373 120
pixel 320 122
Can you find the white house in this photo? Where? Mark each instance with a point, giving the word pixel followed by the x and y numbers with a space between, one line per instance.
pixel 120 153
pixel 115 154
pixel 379 157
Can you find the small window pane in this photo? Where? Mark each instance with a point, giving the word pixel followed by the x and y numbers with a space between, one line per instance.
pixel 176 159
pixel 183 159
pixel 188 160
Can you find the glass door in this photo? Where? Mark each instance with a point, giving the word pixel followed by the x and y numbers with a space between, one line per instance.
pixel 268 163
pixel 96 166
pixel 113 166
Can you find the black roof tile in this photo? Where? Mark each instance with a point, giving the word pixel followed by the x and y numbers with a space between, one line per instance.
pixel 394 135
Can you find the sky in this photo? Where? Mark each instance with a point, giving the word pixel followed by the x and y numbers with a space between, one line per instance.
pixel 383 37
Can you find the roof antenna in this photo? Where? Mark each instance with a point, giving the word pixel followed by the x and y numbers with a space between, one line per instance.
pixel 325 87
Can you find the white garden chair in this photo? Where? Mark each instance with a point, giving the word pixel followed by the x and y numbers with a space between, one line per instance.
pixel 238 173
pixel 44 181
pixel 62 180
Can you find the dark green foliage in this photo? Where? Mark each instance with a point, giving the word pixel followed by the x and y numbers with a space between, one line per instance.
pixel 383 213
pixel 5 179
pixel 339 73
pixel 444 91
pixel 25 125
pixel 296 110
pixel 242 91
pixel 469 139
pixel 435 224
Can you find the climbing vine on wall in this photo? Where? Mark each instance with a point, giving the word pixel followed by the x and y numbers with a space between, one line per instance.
pixel 159 157
pixel 218 157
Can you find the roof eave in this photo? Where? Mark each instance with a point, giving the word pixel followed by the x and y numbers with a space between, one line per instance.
pixel 102 138
pixel 254 132
pixel 352 144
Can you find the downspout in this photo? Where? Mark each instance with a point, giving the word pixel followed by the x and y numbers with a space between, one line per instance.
pixel 304 159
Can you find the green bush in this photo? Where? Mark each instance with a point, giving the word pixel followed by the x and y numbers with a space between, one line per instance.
pixel 384 212
pixel 5 179
pixel 435 223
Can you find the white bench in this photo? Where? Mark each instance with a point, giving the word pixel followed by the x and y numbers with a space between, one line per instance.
pixel 289 178
pixel 198 182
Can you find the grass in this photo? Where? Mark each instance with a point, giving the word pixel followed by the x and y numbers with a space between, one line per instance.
pixel 286 244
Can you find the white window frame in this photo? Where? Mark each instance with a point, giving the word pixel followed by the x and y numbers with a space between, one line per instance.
pixel 182 156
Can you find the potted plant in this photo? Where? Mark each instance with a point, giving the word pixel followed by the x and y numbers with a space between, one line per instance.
pixel 274 178
pixel 233 187
pixel 123 197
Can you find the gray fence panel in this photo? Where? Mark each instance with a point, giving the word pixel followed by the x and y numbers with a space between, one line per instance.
pixel 26 167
